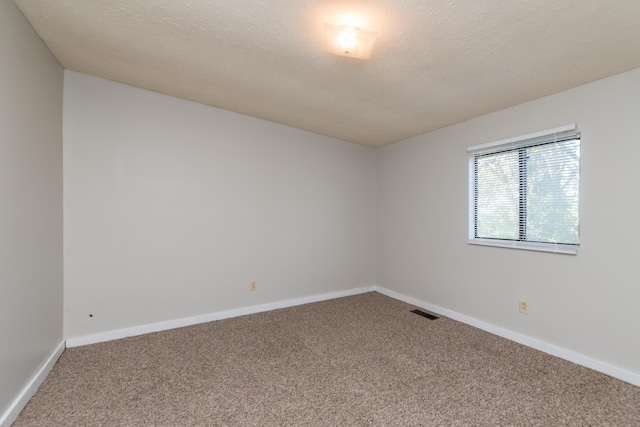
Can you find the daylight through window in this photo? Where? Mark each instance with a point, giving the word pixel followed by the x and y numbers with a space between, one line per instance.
pixel 524 192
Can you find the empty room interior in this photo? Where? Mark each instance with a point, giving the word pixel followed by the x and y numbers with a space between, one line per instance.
pixel 224 213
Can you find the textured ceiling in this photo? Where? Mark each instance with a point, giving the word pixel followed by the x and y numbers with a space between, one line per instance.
pixel 435 62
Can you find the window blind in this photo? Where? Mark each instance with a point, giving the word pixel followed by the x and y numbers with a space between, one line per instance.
pixel 526 189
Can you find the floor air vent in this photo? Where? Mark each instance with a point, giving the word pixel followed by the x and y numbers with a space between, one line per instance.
pixel 424 314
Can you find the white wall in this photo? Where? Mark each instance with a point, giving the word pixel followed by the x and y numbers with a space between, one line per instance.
pixel 31 203
pixel 172 208
pixel 586 303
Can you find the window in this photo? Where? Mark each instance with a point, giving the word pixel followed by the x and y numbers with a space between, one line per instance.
pixel 524 192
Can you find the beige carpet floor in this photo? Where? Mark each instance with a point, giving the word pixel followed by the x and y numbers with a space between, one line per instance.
pixel 357 361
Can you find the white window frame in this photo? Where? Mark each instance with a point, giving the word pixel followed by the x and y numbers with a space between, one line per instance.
pixel 532 246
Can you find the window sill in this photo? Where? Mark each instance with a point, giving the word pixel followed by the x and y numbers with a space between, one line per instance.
pixel 528 246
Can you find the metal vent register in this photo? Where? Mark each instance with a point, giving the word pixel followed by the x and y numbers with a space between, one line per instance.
pixel 424 314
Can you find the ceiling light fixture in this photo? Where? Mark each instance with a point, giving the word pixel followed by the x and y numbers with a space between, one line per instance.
pixel 349 41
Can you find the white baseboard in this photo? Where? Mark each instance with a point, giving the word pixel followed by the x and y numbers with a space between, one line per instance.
pixel 563 353
pixel 30 389
pixel 204 318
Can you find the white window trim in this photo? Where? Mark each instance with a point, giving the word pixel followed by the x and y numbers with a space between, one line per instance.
pixel 555 248
pixel 523 138
pixel 529 246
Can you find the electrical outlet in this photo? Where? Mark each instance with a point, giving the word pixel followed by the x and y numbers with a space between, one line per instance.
pixel 253 286
pixel 524 307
